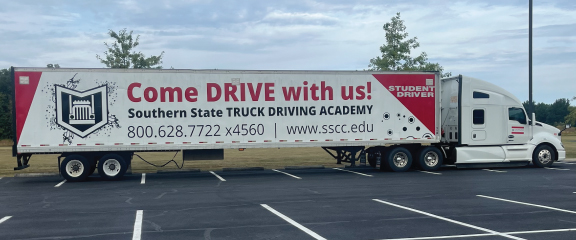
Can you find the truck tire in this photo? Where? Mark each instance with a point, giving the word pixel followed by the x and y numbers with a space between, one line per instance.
pixel 543 156
pixel 92 167
pixel 430 159
pixel 75 168
pixel 399 159
pixel 112 167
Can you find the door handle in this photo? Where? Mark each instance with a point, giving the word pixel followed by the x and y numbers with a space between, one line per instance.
pixel 510 136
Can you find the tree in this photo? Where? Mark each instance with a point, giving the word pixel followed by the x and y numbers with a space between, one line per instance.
pixel 120 54
pixel 5 105
pixel 396 51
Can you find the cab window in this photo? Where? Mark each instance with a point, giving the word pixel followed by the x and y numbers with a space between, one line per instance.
pixel 517 114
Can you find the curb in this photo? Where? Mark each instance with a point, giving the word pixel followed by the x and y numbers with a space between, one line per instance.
pixel 243 169
pixel 303 167
pixel 178 171
pixel 36 174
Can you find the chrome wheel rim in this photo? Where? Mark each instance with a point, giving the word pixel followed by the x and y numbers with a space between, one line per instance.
pixel 431 159
pixel 111 167
pixel 74 168
pixel 400 159
pixel 544 156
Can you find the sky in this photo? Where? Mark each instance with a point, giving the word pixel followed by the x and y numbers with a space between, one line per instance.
pixel 484 39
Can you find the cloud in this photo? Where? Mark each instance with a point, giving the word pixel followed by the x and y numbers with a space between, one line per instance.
pixel 484 39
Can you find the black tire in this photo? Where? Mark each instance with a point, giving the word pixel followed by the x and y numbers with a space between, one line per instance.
pixel 430 159
pixel 92 167
pixel 398 159
pixel 75 168
pixel 112 167
pixel 543 156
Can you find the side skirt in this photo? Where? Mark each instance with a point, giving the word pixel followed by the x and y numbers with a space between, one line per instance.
pixel 493 165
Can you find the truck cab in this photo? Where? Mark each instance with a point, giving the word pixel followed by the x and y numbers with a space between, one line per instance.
pixel 487 125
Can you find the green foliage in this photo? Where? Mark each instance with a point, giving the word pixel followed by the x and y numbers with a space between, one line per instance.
pixel 571 117
pixel 5 105
pixel 553 114
pixel 396 51
pixel 120 54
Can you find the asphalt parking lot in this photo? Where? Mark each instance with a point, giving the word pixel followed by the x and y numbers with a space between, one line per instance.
pixel 359 203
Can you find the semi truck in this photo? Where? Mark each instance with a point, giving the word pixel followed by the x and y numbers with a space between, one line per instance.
pixel 99 118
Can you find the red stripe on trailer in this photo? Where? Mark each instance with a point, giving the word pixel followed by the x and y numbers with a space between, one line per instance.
pixel 81 144
pixel 518 127
pixel 267 140
pixel 151 143
pixel 169 143
pixel 343 139
pixel 329 140
pixel 283 141
pixel 186 142
pixel 423 108
pixel 235 141
pixel 134 143
pixel 24 96
pixel 373 139
pixel 387 139
pixel 25 145
pixel 358 139
pixel 44 145
pixel 298 141
pixel 219 141
pixel 62 145
pixel 313 140
pixel 251 141
pixel 517 132
pixel 118 143
pixel 203 142
pixel 99 144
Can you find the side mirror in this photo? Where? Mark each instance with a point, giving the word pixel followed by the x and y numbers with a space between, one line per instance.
pixel 567 126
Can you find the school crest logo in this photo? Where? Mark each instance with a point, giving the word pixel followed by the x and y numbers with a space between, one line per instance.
pixel 81 113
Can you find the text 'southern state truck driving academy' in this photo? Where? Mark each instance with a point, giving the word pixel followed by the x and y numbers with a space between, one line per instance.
pixel 98 118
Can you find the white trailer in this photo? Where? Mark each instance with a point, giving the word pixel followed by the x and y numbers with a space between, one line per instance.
pixel 98 118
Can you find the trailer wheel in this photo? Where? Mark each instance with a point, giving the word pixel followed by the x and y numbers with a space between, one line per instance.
pixel 112 167
pixel 75 168
pixel 543 156
pixel 430 159
pixel 399 159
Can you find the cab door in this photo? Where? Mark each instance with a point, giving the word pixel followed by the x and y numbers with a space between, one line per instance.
pixel 519 135
pixel 518 128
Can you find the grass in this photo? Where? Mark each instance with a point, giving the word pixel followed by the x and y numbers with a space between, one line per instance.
pixel 261 157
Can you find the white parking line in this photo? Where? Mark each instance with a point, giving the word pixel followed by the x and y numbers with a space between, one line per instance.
pixel 287 174
pixel 143 181
pixel 218 176
pixel 60 184
pixel 485 234
pixel 491 170
pixel 450 220
pixel 138 225
pixel 557 168
pixel 294 223
pixel 4 219
pixel 529 204
pixel 353 172
pixel 567 163
pixel 430 172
